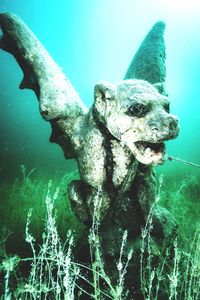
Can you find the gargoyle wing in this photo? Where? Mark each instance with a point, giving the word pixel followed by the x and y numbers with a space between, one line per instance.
pixel 58 101
pixel 149 61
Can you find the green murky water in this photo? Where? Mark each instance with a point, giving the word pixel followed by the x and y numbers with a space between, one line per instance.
pixel 93 41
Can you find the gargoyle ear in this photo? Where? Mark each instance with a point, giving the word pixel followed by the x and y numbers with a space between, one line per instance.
pixel 104 93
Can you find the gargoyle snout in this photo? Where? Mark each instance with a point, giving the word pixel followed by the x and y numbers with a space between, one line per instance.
pixel 173 123
pixel 173 126
pixel 164 127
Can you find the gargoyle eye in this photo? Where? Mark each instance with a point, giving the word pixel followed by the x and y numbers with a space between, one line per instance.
pixel 137 110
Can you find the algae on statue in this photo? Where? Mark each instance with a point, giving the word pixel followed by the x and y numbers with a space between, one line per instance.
pixel 116 143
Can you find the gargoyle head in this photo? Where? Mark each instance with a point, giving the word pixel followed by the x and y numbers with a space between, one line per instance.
pixel 136 114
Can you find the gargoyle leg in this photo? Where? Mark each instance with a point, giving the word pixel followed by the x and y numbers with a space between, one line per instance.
pixel 88 202
pixel 145 188
pixel 77 192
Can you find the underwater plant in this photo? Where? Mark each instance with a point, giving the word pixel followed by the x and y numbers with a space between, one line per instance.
pixel 53 272
pixel 116 144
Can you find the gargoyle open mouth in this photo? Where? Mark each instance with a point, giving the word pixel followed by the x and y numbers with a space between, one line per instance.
pixel 150 153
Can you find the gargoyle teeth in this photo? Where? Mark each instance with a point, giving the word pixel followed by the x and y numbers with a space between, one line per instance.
pixel 148 147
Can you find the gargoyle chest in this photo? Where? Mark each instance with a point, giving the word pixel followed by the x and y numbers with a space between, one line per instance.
pixel 124 166
pixel 108 162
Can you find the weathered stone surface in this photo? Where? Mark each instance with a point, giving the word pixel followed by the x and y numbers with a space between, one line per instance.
pixel 116 143
pixel 57 98
pixel 149 61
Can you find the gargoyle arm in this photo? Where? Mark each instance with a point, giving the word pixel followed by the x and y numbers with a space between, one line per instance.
pixel 58 100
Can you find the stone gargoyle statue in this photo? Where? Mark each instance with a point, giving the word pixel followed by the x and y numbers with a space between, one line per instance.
pixel 116 142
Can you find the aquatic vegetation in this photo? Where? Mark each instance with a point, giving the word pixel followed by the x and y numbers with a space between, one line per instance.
pixel 181 198
pixel 53 272
pixel 176 271
pixel 116 142
pixel 29 191
pixel 49 268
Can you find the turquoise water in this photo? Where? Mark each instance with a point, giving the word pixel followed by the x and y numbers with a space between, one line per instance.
pixel 93 41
